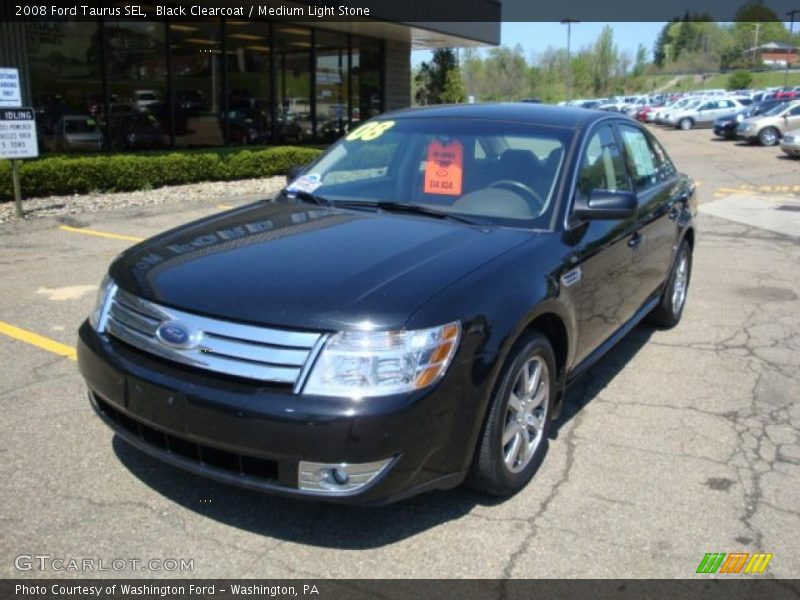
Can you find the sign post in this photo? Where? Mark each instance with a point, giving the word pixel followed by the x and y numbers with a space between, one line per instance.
pixel 17 189
pixel 18 140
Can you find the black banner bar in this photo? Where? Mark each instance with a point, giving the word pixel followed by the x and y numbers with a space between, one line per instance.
pixel 409 11
pixel 729 588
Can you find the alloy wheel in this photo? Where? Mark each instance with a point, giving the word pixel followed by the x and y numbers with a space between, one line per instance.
pixel 526 414
pixel 680 284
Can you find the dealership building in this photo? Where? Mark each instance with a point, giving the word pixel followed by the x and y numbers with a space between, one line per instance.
pixel 122 85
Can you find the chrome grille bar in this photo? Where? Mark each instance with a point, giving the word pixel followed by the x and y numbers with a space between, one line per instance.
pixel 247 351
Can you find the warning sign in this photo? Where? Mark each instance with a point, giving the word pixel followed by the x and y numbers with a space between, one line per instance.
pixel 18 133
pixel 444 168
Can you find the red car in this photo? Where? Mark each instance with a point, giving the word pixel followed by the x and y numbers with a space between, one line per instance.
pixel 787 94
pixel 643 112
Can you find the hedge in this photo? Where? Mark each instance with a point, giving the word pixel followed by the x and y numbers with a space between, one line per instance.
pixel 62 175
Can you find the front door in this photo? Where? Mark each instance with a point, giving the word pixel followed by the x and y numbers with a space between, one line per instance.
pixel 602 275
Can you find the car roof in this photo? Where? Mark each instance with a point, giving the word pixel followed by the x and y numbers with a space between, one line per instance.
pixel 522 112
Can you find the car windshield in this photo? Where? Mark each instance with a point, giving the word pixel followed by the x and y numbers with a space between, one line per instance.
pixel 499 172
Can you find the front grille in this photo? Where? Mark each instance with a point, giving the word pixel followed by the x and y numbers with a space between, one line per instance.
pixel 201 454
pixel 234 349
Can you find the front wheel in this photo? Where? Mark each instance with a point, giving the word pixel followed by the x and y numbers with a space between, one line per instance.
pixel 768 136
pixel 670 308
pixel 514 440
pixel 685 124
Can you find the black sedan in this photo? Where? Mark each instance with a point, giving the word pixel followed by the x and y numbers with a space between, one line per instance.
pixel 725 126
pixel 406 315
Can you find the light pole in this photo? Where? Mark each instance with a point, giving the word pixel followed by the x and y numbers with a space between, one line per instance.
pixel 568 23
pixel 791 14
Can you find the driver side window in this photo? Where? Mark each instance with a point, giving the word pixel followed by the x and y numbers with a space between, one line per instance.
pixel 602 167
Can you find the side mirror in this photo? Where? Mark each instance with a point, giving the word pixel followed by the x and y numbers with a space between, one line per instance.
pixel 294 172
pixel 604 204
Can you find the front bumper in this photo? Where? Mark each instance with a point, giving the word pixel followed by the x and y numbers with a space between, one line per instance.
pixel 725 130
pixel 791 148
pixel 255 435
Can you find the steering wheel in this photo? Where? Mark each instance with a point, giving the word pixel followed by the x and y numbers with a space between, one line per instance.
pixel 533 199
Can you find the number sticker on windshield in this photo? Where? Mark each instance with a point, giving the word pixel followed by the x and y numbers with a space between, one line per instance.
pixel 305 183
pixel 370 131
pixel 444 167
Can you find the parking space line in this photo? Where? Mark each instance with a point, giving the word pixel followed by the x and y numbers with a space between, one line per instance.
pixel 104 234
pixel 225 206
pixel 34 339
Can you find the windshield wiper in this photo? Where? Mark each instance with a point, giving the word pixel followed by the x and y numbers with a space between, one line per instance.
pixel 306 197
pixel 416 209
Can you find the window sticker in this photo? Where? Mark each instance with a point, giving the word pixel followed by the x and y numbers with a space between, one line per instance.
pixel 444 168
pixel 370 131
pixel 305 183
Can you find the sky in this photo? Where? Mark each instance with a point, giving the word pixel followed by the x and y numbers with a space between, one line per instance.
pixel 536 37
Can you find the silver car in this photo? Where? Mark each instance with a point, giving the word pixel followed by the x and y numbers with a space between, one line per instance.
pixel 703 113
pixel 768 127
pixel 790 143
pixel 77 133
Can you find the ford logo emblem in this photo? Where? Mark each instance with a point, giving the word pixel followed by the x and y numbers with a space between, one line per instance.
pixel 176 335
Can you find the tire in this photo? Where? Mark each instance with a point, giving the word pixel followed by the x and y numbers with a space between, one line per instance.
pixel 769 136
pixel 497 469
pixel 670 308
pixel 686 124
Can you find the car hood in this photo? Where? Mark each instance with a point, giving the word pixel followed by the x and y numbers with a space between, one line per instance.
pixel 305 266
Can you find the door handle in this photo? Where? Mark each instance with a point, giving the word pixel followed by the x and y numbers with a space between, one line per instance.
pixel 635 240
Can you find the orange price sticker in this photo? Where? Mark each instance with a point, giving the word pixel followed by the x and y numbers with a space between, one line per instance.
pixel 444 168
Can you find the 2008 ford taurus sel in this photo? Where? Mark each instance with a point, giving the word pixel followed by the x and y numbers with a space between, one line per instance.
pixel 405 315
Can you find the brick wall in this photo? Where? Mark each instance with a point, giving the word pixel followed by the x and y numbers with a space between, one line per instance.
pixel 397 69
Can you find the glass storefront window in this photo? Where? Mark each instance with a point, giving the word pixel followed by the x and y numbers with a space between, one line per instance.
pixel 249 97
pixel 129 85
pixel 331 85
pixel 366 78
pixel 138 115
pixel 197 82
pixel 67 83
pixel 292 72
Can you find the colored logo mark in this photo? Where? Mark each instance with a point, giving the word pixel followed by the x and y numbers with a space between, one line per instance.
pixel 735 562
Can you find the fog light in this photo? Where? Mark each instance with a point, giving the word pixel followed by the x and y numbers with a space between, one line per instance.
pixel 339 478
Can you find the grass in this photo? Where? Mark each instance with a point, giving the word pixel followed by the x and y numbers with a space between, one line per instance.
pixel 761 79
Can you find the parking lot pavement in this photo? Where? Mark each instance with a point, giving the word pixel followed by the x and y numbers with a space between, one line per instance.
pixel 676 444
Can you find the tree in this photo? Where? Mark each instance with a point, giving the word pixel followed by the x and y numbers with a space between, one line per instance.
pixel 606 59
pixel 740 80
pixel 661 49
pixel 641 61
pixel 507 73
pixel 453 91
pixel 431 79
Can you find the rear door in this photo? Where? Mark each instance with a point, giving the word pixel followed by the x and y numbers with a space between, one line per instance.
pixel 654 181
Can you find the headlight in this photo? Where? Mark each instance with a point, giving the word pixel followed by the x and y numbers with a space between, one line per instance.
pixel 357 364
pixel 96 317
pixel 739 118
